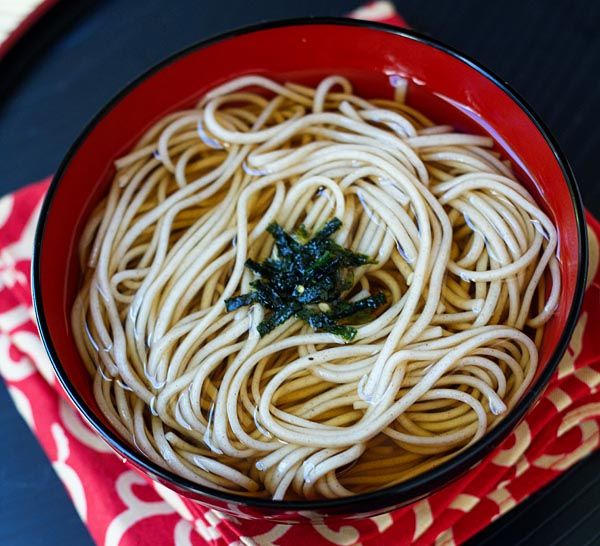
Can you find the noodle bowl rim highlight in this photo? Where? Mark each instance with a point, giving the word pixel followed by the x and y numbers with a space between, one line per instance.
pixel 465 458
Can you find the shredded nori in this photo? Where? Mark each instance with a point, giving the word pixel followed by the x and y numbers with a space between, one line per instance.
pixel 307 279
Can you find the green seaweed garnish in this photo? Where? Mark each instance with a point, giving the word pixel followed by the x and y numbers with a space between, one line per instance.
pixel 307 280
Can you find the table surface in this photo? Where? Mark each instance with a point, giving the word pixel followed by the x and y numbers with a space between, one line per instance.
pixel 546 50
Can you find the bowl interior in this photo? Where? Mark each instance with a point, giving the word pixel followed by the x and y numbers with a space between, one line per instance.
pixel 447 89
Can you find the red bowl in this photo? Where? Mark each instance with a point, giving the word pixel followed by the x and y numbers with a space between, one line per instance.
pixel 445 84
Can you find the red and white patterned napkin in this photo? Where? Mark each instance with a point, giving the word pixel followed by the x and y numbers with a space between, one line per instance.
pixel 121 508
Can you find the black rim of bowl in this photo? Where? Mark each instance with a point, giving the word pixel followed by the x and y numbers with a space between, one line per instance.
pixel 398 494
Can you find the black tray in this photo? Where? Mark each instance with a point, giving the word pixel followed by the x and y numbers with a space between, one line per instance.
pixel 80 52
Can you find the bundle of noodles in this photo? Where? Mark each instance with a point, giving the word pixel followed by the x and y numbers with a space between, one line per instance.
pixel 465 258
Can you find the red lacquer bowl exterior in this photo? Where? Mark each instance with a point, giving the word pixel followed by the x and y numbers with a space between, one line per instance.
pixel 443 83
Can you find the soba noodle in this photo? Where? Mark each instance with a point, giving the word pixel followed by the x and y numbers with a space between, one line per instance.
pixel 460 248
